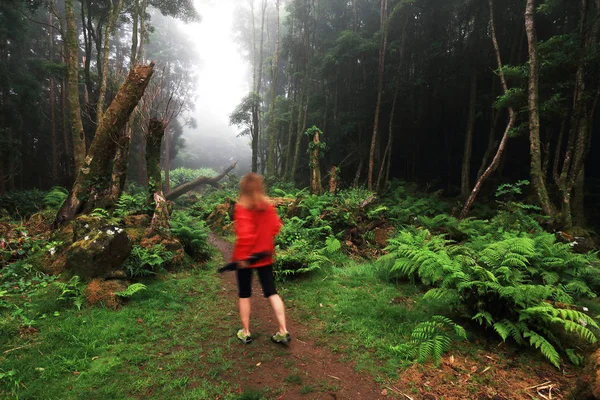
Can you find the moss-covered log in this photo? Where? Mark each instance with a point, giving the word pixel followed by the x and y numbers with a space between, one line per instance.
pixel 203 180
pixel 92 185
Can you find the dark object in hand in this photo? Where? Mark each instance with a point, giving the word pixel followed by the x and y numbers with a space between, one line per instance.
pixel 253 259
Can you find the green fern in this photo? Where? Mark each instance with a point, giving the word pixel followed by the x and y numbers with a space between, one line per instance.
pixel 130 204
pixel 509 284
pixel 431 339
pixel 71 291
pixel 100 212
pixel 131 290
pixel 545 347
pixel 55 197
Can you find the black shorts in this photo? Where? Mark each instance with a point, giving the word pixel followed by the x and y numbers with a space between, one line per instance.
pixel 265 276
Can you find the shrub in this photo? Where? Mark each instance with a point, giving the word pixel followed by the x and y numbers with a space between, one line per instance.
pixel 72 291
pixel 55 197
pixel 192 233
pixel 179 176
pixel 521 286
pixel 130 204
pixel 301 258
pixel 147 261
pixel 23 203
pixel 431 339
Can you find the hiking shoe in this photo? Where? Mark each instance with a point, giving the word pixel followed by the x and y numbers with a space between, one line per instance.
pixel 281 339
pixel 244 338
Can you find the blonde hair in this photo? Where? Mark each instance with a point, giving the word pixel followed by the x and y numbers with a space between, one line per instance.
pixel 252 192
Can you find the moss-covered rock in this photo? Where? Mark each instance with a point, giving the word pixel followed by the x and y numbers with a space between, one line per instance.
pixel 98 249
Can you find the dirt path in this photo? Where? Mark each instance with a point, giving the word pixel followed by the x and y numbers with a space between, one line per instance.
pixel 301 371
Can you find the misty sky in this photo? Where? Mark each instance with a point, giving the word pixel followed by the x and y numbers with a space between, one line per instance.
pixel 221 82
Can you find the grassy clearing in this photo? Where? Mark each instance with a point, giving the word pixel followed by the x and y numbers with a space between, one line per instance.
pixel 150 348
pixel 352 309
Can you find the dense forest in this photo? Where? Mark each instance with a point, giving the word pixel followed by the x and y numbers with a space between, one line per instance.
pixel 432 162
pixel 447 93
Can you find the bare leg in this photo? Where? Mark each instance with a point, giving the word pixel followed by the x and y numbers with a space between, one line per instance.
pixel 279 309
pixel 245 314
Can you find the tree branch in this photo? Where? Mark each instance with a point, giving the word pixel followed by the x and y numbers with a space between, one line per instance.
pixel 203 180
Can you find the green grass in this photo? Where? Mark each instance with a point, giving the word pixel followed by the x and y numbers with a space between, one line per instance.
pixel 147 349
pixel 350 309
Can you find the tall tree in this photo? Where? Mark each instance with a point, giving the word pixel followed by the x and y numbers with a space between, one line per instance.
pixel 72 59
pixel 271 163
pixel 537 177
pixel 381 70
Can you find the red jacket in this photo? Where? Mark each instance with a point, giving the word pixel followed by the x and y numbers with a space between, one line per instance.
pixel 255 232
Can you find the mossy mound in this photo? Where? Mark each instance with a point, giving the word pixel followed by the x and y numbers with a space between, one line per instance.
pixel 98 249
pixel 103 293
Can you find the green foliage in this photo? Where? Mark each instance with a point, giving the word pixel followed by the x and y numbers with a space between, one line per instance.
pixel 132 290
pixel 511 189
pixel 405 203
pixel 55 197
pixel 147 261
pixel 431 339
pixel 23 203
pixel 192 232
pixel 521 286
pixel 179 176
pixel 104 214
pixel 130 204
pixel 72 291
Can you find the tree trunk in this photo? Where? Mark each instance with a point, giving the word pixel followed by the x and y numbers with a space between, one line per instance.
pixel 141 154
pixel 167 184
pixel 388 148
pixel 120 163
pixel 538 180
pixel 258 70
pixel 134 33
pixel 578 207
pixel 186 187
pixel 333 180
pixel 512 116
pixel 72 59
pixel 382 50
pixel 291 150
pixel 271 164
pixel 580 130
pixel 52 106
pixel 299 136
pixel 89 190
pixel 465 185
pixel 114 14
pixel 358 173
pixel 160 219
pixel 65 133
pixel 142 15
pixel 315 169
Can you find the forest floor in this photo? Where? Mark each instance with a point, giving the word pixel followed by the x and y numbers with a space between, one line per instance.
pixel 176 340
pixel 339 350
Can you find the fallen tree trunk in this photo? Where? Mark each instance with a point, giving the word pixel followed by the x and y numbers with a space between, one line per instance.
pixel 160 219
pixel 92 184
pixel 203 180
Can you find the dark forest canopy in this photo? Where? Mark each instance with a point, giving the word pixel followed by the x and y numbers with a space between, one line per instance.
pixel 423 77
pixel 408 89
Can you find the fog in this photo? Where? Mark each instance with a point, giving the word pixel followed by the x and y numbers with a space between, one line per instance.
pixel 222 81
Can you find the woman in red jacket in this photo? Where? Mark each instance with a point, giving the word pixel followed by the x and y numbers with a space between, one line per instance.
pixel 256 223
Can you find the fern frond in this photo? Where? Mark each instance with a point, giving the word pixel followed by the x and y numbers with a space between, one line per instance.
pixel 131 290
pixel 545 347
